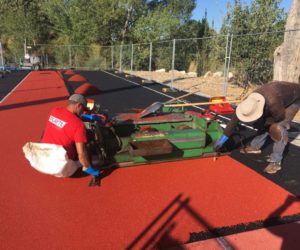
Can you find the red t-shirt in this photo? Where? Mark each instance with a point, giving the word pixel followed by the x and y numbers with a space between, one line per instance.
pixel 64 128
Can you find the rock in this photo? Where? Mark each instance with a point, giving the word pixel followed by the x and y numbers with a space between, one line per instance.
pixel 182 72
pixel 160 70
pixel 192 74
pixel 208 74
pixel 218 74
pixel 230 76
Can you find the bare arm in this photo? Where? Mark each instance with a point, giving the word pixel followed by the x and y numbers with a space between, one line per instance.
pixel 228 131
pixel 82 155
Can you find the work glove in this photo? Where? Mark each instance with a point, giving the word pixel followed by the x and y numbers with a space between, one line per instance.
pixel 90 117
pixel 92 171
pixel 100 118
pixel 219 143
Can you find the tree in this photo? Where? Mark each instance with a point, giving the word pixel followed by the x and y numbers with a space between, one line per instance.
pixel 20 21
pixel 161 22
pixel 254 38
pixel 161 19
pixel 96 22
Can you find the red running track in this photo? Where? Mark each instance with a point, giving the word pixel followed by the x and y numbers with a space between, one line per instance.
pixel 135 208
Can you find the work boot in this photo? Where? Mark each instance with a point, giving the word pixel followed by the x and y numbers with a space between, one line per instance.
pixel 273 167
pixel 250 150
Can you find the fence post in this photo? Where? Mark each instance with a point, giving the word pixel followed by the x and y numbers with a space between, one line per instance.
pixel 173 62
pixel 150 61
pixel 1 57
pixel 70 56
pixel 25 49
pixel 131 62
pixel 112 57
pixel 227 62
pixel 121 53
pixel 47 62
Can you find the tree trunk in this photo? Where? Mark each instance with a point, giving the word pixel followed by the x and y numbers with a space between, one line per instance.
pixel 126 25
pixel 287 55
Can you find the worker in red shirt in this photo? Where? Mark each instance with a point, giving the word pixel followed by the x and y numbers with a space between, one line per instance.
pixel 64 127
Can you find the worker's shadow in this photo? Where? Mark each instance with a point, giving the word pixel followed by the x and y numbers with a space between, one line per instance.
pixel 288 232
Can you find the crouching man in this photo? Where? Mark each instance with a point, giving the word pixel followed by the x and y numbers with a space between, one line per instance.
pixel 274 105
pixel 63 146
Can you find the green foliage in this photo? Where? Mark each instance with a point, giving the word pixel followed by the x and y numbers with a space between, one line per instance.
pixel 157 25
pixel 181 9
pixel 141 56
pixel 73 20
pixel 20 21
pixel 206 47
pixel 88 24
pixel 163 20
pixel 254 40
pixel 115 19
pixel 201 51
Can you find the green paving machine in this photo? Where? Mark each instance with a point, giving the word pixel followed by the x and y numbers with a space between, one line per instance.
pixel 155 134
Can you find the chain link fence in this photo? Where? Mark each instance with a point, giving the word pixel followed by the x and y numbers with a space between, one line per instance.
pixel 223 64
pixel 246 58
pixel 8 59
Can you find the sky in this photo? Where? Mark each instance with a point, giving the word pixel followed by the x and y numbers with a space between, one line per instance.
pixel 216 10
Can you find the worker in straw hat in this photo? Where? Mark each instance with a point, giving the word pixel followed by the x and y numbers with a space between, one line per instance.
pixel 273 106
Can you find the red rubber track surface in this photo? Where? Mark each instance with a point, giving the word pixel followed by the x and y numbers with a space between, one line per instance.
pixel 135 208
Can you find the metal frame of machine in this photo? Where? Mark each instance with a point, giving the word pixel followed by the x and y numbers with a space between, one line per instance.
pixel 167 134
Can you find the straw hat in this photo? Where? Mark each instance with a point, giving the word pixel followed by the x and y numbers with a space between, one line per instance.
pixel 251 109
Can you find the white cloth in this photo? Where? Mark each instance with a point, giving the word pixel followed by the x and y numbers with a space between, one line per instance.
pixel 50 159
pixel 34 59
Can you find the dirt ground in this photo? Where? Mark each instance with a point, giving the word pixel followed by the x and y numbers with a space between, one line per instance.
pixel 209 85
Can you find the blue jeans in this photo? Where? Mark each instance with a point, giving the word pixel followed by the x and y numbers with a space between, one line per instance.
pixel 278 146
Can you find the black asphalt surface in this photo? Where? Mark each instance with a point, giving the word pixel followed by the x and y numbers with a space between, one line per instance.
pixel 10 80
pixel 120 93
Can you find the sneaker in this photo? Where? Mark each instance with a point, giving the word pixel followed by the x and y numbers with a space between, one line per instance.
pixel 250 150
pixel 273 167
